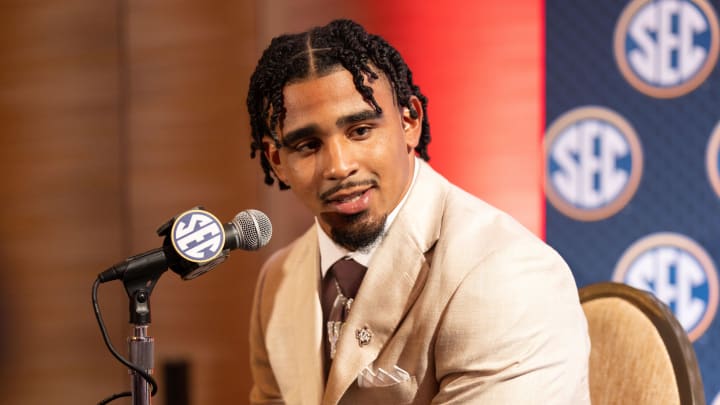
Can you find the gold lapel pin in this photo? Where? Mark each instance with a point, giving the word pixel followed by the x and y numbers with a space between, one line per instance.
pixel 363 336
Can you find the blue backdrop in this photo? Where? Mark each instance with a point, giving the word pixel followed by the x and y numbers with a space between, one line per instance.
pixel 631 153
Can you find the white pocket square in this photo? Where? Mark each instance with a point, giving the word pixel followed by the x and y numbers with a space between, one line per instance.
pixel 381 378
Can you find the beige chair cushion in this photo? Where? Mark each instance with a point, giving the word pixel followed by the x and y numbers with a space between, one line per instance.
pixel 627 353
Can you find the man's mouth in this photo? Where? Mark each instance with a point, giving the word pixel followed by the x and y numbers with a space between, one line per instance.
pixel 349 202
pixel 346 197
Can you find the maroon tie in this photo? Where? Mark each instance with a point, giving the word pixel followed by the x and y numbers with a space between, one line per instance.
pixel 345 274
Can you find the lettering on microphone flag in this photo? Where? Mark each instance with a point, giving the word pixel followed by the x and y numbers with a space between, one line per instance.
pixel 198 236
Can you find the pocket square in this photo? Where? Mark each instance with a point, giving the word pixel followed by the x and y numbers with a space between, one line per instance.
pixel 381 378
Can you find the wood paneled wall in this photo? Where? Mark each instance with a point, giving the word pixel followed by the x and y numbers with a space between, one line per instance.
pixel 63 215
pixel 115 117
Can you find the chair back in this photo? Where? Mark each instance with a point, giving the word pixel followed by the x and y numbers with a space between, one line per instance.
pixel 640 353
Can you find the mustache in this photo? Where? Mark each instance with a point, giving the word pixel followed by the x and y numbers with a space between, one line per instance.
pixel 346 185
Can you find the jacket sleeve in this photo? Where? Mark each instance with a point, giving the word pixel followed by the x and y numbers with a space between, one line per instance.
pixel 514 333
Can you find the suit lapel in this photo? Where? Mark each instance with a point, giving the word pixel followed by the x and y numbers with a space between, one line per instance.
pixel 386 293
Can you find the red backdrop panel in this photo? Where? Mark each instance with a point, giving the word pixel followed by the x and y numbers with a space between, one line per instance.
pixel 481 66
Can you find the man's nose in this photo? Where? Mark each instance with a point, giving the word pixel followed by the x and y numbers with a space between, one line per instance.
pixel 339 159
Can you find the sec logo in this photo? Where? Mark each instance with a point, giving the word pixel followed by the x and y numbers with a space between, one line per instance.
pixel 593 163
pixel 666 48
pixel 679 272
pixel 712 159
pixel 198 236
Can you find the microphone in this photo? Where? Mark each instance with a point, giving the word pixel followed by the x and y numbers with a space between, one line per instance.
pixel 195 242
pixel 249 230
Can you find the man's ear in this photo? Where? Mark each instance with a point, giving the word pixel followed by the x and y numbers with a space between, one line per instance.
pixel 272 153
pixel 412 127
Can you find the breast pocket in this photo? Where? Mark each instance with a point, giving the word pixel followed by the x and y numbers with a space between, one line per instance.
pixel 401 393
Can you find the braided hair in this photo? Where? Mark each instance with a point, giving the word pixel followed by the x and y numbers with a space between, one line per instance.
pixel 322 50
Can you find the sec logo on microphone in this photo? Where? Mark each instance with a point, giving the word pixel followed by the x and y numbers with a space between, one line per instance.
pixel 679 272
pixel 198 236
pixel 593 163
pixel 666 48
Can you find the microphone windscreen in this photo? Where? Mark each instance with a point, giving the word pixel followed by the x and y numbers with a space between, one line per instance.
pixel 254 229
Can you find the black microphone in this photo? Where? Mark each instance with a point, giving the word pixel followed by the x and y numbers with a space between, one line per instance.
pixel 195 242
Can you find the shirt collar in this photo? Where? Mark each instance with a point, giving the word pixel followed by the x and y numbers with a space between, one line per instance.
pixel 330 252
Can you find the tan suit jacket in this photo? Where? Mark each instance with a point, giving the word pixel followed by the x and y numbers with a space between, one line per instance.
pixel 472 305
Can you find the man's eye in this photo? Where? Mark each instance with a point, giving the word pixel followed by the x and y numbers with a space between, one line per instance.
pixel 307 146
pixel 361 131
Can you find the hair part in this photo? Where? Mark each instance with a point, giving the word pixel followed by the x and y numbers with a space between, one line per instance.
pixel 317 52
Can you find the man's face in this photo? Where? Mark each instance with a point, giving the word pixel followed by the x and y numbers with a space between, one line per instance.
pixel 348 164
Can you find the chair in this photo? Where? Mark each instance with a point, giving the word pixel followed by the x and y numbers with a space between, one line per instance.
pixel 640 353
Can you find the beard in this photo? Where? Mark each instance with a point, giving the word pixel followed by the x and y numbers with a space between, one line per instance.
pixel 356 232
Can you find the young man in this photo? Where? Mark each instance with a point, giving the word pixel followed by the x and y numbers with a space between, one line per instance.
pixel 457 303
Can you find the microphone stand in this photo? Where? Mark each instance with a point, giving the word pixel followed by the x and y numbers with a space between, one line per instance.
pixel 141 346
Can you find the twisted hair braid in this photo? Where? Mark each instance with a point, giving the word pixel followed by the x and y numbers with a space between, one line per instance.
pixel 321 50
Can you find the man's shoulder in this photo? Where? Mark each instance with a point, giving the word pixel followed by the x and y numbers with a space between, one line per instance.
pixel 297 246
pixel 461 208
pixel 473 233
pixel 468 214
pixel 275 266
pixel 460 222
pixel 485 246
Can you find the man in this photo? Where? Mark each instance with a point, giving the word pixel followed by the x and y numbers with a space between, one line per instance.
pixel 458 303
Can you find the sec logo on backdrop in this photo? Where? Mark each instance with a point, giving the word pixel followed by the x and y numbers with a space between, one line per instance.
pixel 679 272
pixel 666 48
pixel 712 159
pixel 593 163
